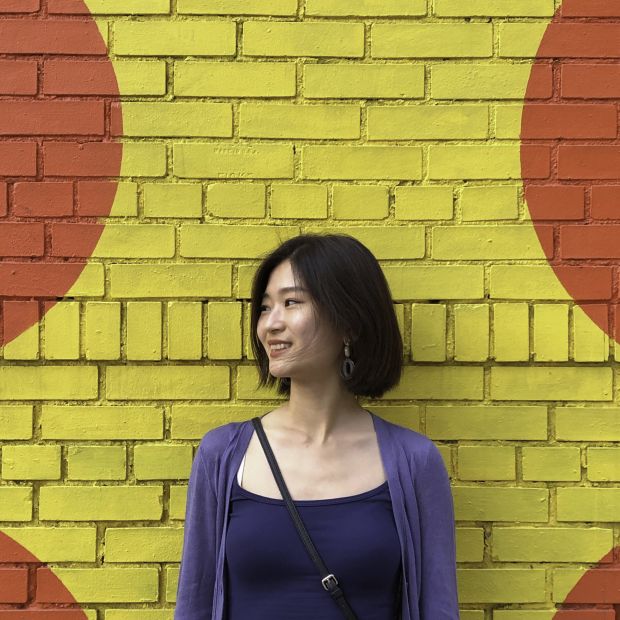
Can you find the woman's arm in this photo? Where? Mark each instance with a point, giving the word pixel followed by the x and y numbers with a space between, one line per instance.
pixel 438 596
pixel 198 562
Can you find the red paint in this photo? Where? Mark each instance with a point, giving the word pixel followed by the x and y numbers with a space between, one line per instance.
pixel 53 131
pixel 29 590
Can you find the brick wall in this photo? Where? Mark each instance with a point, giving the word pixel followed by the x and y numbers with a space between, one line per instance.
pixel 152 150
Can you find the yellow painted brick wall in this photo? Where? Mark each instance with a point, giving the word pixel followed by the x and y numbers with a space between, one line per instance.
pixel 246 122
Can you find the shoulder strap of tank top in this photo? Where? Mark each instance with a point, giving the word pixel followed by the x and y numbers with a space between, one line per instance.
pixel 328 580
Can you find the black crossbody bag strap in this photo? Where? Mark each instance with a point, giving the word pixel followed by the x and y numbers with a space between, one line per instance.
pixel 328 580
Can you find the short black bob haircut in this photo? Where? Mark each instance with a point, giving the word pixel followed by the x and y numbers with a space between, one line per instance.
pixel 348 288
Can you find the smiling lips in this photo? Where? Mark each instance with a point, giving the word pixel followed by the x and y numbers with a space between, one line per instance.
pixel 276 348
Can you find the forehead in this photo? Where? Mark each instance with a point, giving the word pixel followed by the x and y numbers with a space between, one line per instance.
pixel 282 279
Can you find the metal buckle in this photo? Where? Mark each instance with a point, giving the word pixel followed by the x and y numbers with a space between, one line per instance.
pixel 330 578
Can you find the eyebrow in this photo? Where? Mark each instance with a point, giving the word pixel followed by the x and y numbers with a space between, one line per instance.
pixel 289 289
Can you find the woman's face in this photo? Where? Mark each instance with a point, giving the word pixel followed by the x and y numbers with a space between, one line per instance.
pixel 311 349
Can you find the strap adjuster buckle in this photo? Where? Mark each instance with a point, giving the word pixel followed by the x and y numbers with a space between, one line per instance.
pixel 329 581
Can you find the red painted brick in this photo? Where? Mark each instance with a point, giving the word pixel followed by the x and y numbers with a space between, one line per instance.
pixel 79 77
pixel 22 239
pixel 570 121
pixel 598 241
pixel 95 198
pixel 20 6
pixel 18 77
pixel 591 8
pixel 598 585
pixel 13 585
pixel 535 162
pixel 43 199
pixel 4 202
pixel 92 159
pixel 590 81
pixel 540 84
pixel 588 161
pixel 75 240
pixel 555 202
pixel 26 279
pixel 50 36
pixel 18 316
pixel 46 118
pixel 581 40
pixel 49 614
pixel 18 159
pixel 587 282
pixel 605 202
pixel 578 614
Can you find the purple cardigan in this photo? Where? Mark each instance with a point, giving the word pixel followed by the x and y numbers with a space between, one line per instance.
pixel 421 501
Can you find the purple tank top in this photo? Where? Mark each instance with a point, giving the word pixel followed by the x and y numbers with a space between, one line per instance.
pixel 270 576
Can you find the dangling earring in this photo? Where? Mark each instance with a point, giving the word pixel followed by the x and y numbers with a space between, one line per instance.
pixel 348 365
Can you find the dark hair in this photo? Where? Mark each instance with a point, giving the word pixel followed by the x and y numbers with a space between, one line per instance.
pixel 349 289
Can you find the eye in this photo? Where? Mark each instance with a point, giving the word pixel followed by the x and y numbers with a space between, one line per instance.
pixel 262 308
pixel 293 300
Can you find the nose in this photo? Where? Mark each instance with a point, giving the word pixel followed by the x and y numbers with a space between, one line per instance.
pixel 275 319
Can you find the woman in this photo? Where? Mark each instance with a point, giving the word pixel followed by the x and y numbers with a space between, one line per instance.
pixel 374 496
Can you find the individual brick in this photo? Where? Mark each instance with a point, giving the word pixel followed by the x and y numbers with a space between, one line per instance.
pixel 362 162
pixel 21 330
pixel 51 118
pixel 486 463
pixel 160 462
pixel 363 202
pixel 473 40
pixel 92 198
pixel 193 421
pixel 213 161
pixel 428 332
pixel 523 40
pixel 112 240
pixel 15 422
pixel 501 504
pixel 384 242
pixel 603 202
pixel 184 330
pixel 363 81
pixel 484 202
pixel 440 382
pixel 31 462
pixel 551 463
pixel 167 382
pixel 96 463
pixel 299 201
pixel 490 81
pixel 101 422
pixel 90 159
pixel 299 121
pixel 19 77
pixel 471 332
pixel 550 332
pixel 439 282
pixel 18 159
pixel 549 544
pixel 489 242
pixel 366 8
pixel 424 202
pixel 146 159
pixel 144 330
pixel 238 7
pixel 101 503
pixel 575 121
pixel 588 504
pixel 271 38
pixel 61 331
pixel 175 38
pixel 501 585
pixel 102 333
pixel 223 330
pixel 20 6
pixel 603 465
pixel 590 342
pixel 172 200
pixel 110 7
pixel 234 79
pixel 469 545
pixel 511 333
pixel 48 382
pixel 587 161
pixel 175 280
pixel 100 585
pixel 43 199
pixel 236 200
pixel 16 504
pixel 140 544
pixel 486 162
pixel 518 422
pixel 590 81
pixel 224 241
pixel 587 424
pixel 577 583
pixel 592 8
pixel 494 8
pixel 57 544
pixel 433 122
pixel 550 383
pixel 89 284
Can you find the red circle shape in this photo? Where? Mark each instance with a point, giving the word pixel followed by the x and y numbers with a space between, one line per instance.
pixel 58 158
